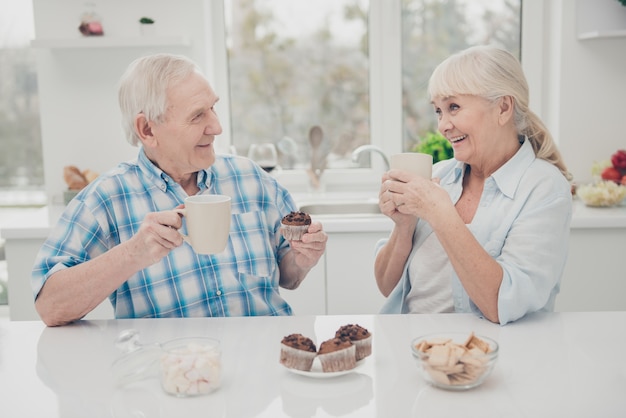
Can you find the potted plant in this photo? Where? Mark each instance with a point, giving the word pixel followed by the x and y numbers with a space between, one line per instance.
pixel 146 25
pixel 435 144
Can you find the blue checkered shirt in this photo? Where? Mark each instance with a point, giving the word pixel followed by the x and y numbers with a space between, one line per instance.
pixel 242 280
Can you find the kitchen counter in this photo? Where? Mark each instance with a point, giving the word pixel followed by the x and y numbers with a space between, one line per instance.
pixel 37 224
pixel 559 364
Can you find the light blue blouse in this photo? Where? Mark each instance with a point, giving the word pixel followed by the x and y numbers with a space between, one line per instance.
pixel 522 221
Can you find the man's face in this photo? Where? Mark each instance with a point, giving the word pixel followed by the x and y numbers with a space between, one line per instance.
pixel 183 142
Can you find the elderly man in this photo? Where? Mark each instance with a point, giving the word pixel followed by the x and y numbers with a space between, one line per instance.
pixel 118 237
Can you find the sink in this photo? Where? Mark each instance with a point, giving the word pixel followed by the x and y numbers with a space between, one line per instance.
pixel 341 208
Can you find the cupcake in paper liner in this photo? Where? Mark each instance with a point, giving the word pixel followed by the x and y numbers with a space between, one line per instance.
pixel 297 352
pixel 294 225
pixel 337 354
pixel 359 336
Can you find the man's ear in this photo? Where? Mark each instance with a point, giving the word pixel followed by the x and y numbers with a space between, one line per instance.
pixel 144 130
pixel 506 106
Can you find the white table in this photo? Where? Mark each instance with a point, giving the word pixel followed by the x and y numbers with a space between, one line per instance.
pixel 562 364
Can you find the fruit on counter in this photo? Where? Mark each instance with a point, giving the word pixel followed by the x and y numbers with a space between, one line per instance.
pixel 619 159
pixel 611 173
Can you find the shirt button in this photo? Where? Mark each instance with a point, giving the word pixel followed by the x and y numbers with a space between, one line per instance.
pixel 218 293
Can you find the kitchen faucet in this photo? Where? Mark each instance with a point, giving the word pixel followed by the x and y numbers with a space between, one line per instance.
pixel 371 149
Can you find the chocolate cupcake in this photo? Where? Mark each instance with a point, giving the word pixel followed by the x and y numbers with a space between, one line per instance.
pixel 294 225
pixel 337 354
pixel 297 352
pixel 359 336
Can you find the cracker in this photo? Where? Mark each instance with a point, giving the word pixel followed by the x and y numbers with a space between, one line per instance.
pixel 449 363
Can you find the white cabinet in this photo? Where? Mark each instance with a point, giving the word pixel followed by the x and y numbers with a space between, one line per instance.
pixel 310 297
pixel 350 282
pixel 343 280
pixel 595 273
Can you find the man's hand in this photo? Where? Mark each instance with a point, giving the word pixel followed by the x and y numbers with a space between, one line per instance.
pixel 310 249
pixel 157 236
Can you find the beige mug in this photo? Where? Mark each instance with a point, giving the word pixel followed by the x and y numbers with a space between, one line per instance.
pixel 208 222
pixel 414 162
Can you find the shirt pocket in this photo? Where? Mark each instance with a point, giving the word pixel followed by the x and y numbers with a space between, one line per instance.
pixel 250 238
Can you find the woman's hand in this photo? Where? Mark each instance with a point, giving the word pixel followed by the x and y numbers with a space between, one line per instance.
pixel 404 195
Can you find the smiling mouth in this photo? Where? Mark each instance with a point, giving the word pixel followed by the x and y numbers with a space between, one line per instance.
pixel 456 139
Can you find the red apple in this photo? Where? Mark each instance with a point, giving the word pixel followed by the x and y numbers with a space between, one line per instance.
pixel 619 159
pixel 611 173
pixel 624 180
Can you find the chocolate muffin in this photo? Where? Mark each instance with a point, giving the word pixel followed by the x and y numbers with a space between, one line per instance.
pixel 297 352
pixel 337 354
pixel 359 336
pixel 294 225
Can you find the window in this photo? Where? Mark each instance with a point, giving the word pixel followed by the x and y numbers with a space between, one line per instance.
pixel 21 160
pixel 21 164
pixel 357 69
pixel 299 78
pixel 433 30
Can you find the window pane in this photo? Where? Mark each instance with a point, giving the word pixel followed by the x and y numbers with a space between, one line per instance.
pixel 434 29
pixel 21 161
pixel 295 65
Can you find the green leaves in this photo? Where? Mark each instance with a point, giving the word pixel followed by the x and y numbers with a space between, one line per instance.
pixel 435 144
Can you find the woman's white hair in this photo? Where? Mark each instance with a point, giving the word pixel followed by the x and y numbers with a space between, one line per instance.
pixel 492 73
pixel 143 88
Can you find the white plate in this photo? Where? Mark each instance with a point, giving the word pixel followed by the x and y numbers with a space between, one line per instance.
pixel 316 371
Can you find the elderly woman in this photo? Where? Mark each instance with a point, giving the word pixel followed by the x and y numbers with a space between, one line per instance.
pixel 489 234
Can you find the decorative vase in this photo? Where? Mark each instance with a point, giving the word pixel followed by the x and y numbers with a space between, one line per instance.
pixel 147 29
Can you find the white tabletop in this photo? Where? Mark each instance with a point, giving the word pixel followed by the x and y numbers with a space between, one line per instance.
pixel 561 364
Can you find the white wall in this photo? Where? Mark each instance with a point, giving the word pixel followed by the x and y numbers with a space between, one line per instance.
pixel 80 119
pixel 588 112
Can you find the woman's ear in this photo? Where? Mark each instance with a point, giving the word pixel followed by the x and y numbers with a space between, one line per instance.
pixel 144 130
pixel 506 106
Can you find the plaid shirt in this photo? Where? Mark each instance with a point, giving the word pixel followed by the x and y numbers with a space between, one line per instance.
pixel 242 280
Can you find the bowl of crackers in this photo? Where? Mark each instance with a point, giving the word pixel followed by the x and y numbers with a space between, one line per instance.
pixel 455 361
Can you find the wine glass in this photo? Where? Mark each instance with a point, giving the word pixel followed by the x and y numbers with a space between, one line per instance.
pixel 265 155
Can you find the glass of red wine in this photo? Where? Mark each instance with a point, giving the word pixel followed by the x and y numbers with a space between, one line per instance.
pixel 264 155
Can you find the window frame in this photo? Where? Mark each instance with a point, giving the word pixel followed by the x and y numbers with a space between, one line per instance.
pixel 385 87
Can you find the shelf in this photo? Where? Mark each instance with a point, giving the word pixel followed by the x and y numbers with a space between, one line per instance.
pixel 110 42
pixel 603 34
pixel 600 19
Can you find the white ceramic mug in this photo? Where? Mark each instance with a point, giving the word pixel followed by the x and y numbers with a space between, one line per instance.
pixel 208 222
pixel 414 162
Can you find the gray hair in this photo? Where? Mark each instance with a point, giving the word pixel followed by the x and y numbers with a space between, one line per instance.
pixel 143 88
pixel 492 73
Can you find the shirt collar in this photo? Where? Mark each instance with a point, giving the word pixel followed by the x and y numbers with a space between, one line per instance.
pixel 508 176
pixel 162 180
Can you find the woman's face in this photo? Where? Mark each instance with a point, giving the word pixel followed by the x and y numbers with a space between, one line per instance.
pixel 471 125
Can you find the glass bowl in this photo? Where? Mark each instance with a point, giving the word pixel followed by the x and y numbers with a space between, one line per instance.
pixel 190 366
pixel 601 194
pixel 454 361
